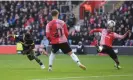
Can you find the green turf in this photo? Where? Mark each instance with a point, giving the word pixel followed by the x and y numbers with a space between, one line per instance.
pixel 18 67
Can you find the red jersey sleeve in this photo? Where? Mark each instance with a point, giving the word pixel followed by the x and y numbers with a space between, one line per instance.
pixel 120 36
pixel 65 30
pixel 95 30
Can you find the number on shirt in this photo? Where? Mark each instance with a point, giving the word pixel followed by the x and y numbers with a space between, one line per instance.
pixel 58 33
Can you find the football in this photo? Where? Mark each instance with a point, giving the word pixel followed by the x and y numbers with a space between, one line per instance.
pixel 111 23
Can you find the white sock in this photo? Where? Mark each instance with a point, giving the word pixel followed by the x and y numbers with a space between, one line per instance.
pixel 75 58
pixel 51 58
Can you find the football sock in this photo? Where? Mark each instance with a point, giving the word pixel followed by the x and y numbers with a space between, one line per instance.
pixel 115 58
pixel 38 61
pixel 75 58
pixel 116 61
pixel 51 58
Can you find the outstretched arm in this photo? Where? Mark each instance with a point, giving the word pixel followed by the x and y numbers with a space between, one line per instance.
pixel 121 36
pixel 95 30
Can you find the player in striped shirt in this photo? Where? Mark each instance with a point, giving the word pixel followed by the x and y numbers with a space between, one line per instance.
pixel 107 37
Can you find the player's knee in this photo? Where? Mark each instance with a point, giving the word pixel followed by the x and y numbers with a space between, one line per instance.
pixel 69 53
pixel 113 55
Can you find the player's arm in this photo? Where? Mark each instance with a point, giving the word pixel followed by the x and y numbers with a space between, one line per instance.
pixel 13 35
pixel 121 36
pixel 95 30
pixel 65 30
pixel 16 36
pixel 48 32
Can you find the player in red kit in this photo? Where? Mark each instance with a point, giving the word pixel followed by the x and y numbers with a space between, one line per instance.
pixel 107 37
pixel 57 34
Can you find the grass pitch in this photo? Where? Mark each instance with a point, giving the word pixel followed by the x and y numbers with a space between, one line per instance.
pixel 18 67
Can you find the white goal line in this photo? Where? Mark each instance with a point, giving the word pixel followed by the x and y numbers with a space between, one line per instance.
pixel 83 77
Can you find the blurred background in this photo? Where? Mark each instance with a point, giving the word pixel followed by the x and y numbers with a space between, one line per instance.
pixel 80 16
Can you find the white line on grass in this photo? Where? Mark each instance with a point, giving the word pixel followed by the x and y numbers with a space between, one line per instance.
pixel 82 77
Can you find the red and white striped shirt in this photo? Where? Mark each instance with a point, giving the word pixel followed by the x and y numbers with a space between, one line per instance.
pixel 107 37
pixel 56 31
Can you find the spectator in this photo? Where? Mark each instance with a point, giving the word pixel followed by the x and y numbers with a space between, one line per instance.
pixel 5 24
pixel 80 48
pixel 20 14
pixel 129 41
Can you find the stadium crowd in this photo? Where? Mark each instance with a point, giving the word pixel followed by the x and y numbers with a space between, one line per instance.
pixel 123 17
pixel 17 15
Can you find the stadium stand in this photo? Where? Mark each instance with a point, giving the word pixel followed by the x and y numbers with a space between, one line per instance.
pixel 123 17
pixel 16 15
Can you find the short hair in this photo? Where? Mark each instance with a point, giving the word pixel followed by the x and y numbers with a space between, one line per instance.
pixel 54 12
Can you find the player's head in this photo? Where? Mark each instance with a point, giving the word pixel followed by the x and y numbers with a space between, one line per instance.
pixel 55 13
pixel 109 29
pixel 110 25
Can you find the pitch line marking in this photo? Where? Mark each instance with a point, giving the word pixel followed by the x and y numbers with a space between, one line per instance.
pixel 67 78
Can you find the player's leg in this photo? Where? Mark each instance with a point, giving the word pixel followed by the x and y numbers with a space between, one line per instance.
pixel 39 62
pixel 25 49
pixel 66 49
pixel 75 58
pixel 55 48
pixel 32 57
pixel 44 51
pixel 113 55
pixel 41 50
pixel 51 59
pixel 37 52
pixel 110 52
